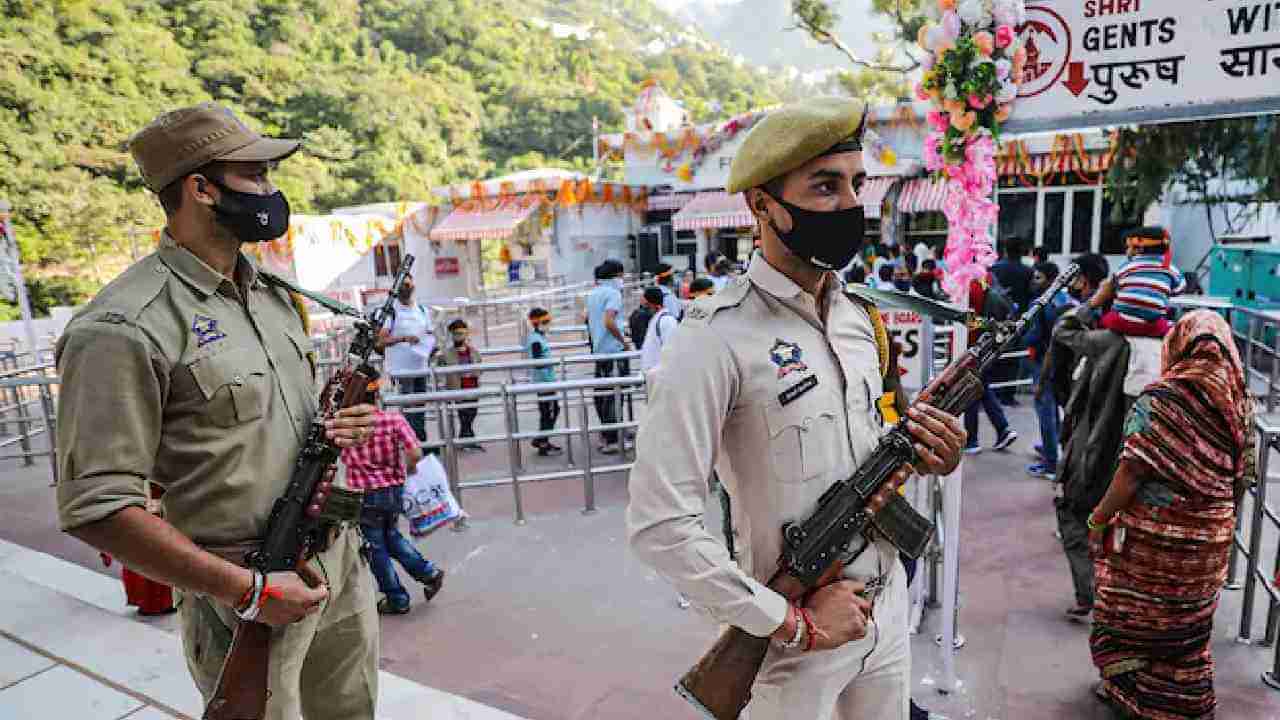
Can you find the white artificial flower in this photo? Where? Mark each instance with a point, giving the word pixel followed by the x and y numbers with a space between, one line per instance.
pixel 974 13
pixel 950 92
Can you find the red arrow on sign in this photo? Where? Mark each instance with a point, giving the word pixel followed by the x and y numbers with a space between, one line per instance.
pixel 1076 81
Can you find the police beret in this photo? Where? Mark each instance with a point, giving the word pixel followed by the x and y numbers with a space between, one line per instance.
pixel 793 135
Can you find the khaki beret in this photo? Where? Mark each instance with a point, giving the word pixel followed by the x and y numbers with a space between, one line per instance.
pixel 791 136
pixel 186 139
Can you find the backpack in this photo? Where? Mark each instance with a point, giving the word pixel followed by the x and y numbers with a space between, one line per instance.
pixel 638 323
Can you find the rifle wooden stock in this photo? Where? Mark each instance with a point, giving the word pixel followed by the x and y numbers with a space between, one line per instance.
pixel 720 684
pixel 241 692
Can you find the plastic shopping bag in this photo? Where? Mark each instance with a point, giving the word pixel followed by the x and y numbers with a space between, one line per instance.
pixel 429 503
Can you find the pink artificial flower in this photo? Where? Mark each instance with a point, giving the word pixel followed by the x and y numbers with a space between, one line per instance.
pixel 921 93
pixel 951 24
pixel 939 121
pixel 979 103
pixel 1004 36
pixel 985 42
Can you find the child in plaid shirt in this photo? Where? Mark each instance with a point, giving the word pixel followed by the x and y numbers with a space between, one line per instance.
pixel 379 468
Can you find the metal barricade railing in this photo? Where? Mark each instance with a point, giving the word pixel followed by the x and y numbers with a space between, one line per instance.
pixel 509 398
pixel 21 389
pixel 562 364
pixel 1257 334
pixel 1262 516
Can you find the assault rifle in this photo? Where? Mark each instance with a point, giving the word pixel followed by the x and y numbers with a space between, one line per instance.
pixel 815 550
pixel 303 519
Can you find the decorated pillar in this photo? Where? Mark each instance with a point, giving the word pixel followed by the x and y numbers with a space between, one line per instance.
pixel 973 68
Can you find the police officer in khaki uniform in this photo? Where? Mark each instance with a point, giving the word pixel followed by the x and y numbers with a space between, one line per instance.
pixel 193 371
pixel 776 390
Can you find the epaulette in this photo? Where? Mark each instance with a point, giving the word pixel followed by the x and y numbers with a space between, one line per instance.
pixel 701 310
pixel 878 328
pixel 123 299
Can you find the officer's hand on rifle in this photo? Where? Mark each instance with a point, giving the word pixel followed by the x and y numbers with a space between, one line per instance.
pixel 351 426
pixel 939 437
pixel 296 596
pixel 840 613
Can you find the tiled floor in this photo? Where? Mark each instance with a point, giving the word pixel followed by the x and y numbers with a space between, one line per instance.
pixel 64 657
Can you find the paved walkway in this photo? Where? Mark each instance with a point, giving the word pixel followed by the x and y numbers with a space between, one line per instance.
pixel 555 620
pixel 70 649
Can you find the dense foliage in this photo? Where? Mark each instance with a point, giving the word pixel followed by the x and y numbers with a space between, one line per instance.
pixel 393 97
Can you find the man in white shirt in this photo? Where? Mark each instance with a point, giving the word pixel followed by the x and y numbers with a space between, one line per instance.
pixel 661 326
pixel 407 341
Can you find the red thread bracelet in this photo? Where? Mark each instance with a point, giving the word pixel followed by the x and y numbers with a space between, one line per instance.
pixel 813 629
pixel 269 591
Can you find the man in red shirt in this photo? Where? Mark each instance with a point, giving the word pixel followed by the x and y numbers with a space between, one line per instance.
pixel 379 468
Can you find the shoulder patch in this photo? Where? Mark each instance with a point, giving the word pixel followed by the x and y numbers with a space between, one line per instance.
pixel 123 299
pixel 703 309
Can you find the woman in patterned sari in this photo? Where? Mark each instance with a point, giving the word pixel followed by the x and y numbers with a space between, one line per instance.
pixel 1162 534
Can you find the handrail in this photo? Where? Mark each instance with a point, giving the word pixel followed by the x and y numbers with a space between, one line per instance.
pixel 1256 577
pixel 503 365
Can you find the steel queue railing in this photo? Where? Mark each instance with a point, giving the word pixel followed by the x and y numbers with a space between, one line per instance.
pixel 443 405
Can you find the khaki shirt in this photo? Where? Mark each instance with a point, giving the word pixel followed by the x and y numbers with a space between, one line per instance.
pixel 170 376
pixel 783 406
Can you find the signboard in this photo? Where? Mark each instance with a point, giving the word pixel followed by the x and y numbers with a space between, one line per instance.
pixel 1109 62
pixel 905 328
pixel 447 266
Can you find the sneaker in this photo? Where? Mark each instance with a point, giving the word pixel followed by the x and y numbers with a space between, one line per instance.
pixel 1042 470
pixel 386 607
pixel 545 450
pixel 1005 440
pixel 433 584
pixel 1079 614
pixel 972 449
pixel 553 447
pixel 609 449
pixel 682 601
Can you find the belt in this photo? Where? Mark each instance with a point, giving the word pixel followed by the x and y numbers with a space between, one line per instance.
pixel 236 552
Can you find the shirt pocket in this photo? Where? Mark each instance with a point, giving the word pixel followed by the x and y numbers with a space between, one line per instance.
pixel 802 441
pixel 234 385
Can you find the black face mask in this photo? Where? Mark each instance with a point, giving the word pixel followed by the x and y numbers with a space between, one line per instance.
pixel 252 218
pixel 828 240
pixel 903 285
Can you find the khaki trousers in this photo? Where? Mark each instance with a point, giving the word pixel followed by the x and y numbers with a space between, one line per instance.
pixel 322 668
pixel 869 679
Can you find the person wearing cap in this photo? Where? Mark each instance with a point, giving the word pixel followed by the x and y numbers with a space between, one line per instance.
pixel 193 370
pixel 776 390
pixel 664 278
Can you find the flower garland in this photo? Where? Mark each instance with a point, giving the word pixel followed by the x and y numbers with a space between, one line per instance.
pixel 972 72
pixel 671 146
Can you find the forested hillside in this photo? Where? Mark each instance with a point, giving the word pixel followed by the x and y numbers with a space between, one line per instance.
pixel 392 96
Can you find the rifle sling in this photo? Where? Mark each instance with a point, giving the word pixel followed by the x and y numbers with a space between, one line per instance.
pixel 327 303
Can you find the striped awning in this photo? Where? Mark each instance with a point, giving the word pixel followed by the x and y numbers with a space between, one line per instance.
pixel 713 210
pixel 873 192
pixel 922 195
pixel 671 201
pixel 480 222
